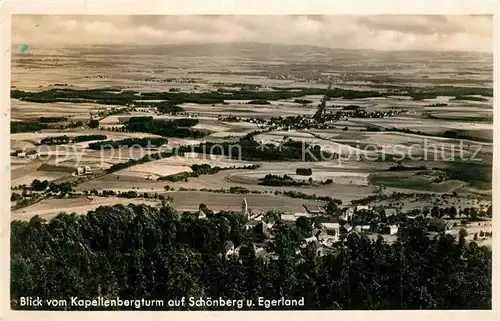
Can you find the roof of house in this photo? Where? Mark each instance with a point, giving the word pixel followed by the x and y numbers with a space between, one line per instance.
pixel 345 216
pixel 393 226
pixel 311 239
pixel 228 245
pixel 390 211
pixel 330 225
pixel 313 208
pixel 347 226
pixel 437 223
pixel 288 217
pixel 262 229
pixel 303 214
pixel 347 208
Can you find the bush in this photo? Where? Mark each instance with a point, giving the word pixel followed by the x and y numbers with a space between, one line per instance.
pixel 94 123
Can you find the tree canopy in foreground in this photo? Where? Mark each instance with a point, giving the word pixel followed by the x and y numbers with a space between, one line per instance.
pixel 137 251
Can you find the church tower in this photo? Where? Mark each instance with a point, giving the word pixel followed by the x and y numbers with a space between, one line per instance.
pixel 244 207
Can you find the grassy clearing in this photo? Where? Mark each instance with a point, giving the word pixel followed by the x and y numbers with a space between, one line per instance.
pixel 413 180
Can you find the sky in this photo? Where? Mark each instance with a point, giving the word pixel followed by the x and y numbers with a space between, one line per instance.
pixel 378 32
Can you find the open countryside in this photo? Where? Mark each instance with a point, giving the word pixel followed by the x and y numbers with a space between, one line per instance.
pixel 196 169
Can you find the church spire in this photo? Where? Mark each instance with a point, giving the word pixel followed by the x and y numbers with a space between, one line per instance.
pixel 244 207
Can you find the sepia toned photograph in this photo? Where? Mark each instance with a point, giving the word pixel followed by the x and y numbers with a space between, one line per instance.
pixel 251 162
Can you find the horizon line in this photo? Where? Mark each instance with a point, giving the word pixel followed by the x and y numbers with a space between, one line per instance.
pixel 251 42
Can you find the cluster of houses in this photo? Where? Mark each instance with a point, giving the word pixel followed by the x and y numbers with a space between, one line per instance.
pixel 29 154
pixel 330 231
pixel 83 170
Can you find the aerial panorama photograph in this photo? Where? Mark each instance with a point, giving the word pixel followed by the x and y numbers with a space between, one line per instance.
pixel 224 162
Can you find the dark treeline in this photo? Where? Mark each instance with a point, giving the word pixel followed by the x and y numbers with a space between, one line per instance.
pixel 433 92
pixel 351 107
pixel 203 169
pixel 351 94
pixel 142 160
pixel 478 175
pixel 107 96
pixel 259 102
pixel 129 142
pixel 25 127
pixel 127 97
pixel 136 252
pixel 304 171
pixel 197 170
pixel 456 134
pixel 472 98
pixel 52 119
pixel 277 180
pixel 303 101
pixel 406 168
pixel 437 105
pixel 86 138
pixel 167 128
pixel 58 140
pixel 164 107
pixel 62 189
pixel 249 149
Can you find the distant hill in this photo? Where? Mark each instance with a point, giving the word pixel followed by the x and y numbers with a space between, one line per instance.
pixel 262 49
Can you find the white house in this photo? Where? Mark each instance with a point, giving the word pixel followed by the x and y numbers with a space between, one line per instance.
pixel 390 212
pixel 309 240
pixel 257 217
pixel 303 215
pixel 32 154
pixel 330 240
pixel 347 227
pixel 80 170
pixel 332 228
pixel 346 215
pixel 191 155
pixel 288 217
pixel 363 208
pixel 393 229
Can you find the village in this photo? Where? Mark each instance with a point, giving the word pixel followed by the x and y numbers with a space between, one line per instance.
pixel 327 231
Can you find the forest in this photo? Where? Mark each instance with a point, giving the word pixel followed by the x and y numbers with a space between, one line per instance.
pixel 277 180
pixel 172 128
pixel 247 148
pixel 24 127
pixel 137 251
pixel 115 96
pixel 128 142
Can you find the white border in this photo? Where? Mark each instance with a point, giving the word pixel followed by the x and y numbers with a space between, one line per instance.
pixel 256 7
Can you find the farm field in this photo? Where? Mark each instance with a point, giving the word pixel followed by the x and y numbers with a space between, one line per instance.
pixel 49 208
pixel 189 201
